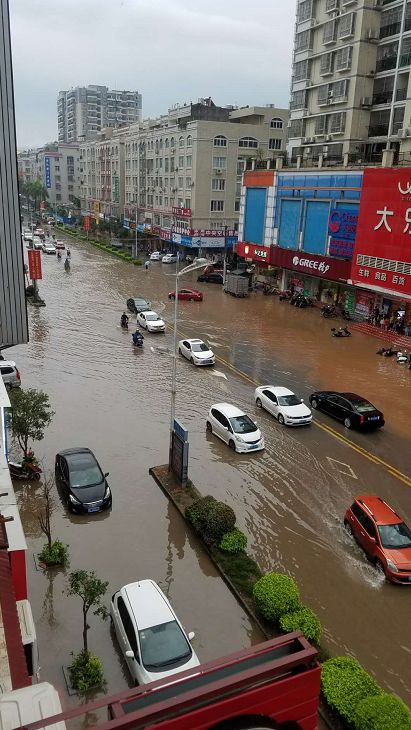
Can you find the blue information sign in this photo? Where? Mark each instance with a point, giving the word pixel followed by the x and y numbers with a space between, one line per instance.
pixel 47 172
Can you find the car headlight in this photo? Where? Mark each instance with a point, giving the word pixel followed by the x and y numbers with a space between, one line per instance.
pixel 392 566
pixel 74 499
pixel 107 493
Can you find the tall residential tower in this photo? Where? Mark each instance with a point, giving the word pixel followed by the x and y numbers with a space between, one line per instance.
pixel 83 111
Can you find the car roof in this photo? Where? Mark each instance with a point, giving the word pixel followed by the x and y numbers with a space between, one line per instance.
pixel 139 299
pixel 383 514
pixel 354 398
pixel 75 450
pixel 8 363
pixel 194 341
pixel 228 409
pixel 277 389
pixel 148 603
pixel 150 311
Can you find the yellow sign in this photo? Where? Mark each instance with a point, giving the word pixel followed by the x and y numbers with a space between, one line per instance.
pixel 96 208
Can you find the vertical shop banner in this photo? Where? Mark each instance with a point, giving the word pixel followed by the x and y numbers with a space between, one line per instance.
pixel 47 172
pixel 86 223
pixel 382 254
pixel 342 228
pixel 35 264
pixel 116 186
pixel 96 208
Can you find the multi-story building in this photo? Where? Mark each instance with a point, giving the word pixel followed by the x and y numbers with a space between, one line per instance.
pixel 85 110
pixel 351 70
pixel 182 171
pixel 57 167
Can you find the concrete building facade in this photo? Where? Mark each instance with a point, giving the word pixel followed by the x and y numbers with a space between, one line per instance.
pixel 57 167
pixel 85 110
pixel 350 81
pixel 183 170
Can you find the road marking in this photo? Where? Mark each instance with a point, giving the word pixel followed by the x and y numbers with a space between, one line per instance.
pixel 332 432
pixel 347 471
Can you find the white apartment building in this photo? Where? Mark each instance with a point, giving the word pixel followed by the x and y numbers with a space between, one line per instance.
pixel 183 171
pixel 85 110
pixel 350 81
pixel 57 167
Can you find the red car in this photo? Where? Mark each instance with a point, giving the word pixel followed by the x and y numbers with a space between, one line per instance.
pixel 383 535
pixel 191 295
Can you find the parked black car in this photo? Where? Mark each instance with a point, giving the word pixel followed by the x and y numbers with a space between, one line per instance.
pixel 354 410
pixel 213 277
pixel 81 481
pixel 137 305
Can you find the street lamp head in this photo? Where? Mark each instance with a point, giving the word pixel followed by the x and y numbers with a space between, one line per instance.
pixel 197 264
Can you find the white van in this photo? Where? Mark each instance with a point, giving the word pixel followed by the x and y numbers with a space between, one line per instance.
pixel 22 706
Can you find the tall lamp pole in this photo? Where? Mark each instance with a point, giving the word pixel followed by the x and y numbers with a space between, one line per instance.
pixel 136 242
pixel 192 267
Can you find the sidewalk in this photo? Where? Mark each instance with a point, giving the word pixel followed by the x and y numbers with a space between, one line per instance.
pixel 401 341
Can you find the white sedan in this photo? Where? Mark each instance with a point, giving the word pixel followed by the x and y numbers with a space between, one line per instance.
pixel 234 427
pixel 49 248
pixel 283 404
pixel 155 256
pixel 197 352
pixel 151 321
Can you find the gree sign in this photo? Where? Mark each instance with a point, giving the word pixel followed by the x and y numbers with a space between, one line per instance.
pixel 320 266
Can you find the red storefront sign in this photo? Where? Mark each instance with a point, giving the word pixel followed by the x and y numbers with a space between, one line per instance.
pixel 259 254
pixel 165 234
pixel 382 254
pixel 34 264
pixel 307 263
pixel 182 212
pixel 86 223
pixel 212 233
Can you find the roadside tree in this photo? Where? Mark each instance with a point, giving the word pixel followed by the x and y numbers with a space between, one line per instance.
pixel 30 414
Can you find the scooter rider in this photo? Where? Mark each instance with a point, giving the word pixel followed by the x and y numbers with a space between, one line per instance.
pixel 137 337
pixel 68 253
pixel 124 320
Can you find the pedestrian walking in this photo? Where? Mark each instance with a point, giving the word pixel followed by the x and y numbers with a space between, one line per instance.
pixel 147 265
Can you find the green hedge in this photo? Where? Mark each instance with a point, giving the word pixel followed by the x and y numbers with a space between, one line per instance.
pixel 305 620
pixel 218 520
pixel 382 712
pixel 233 542
pixel 197 511
pixel 276 594
pixel 86 671
pixel 344 684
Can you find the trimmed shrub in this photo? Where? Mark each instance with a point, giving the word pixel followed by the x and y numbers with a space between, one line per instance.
pixel 382 712
pixel 57 554
pixel 219 519
pixel 305 620
pixel 242 570
pixel 86 671
pixel 344 684
pixel 196 512
pixel 137 262
pixel 233 542
pixel 276 594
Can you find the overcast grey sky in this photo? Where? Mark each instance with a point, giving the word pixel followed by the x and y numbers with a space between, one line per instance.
pixel 236 51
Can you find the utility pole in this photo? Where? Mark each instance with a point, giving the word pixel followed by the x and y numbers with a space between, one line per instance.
pixel 225 255
pixel 136 241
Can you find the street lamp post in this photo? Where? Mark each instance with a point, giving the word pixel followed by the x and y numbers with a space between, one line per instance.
pixel 192 267
pixel 136 243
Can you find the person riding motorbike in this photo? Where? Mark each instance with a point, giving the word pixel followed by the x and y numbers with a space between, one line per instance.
pixel 59 254
pixel 68 253
pixel 137 338
pixel 124 321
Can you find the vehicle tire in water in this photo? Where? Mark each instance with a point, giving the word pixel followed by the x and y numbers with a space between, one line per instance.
pixel 281 419
pixel 209 427
pixel 348 529
pixel 258 403
pixel 191 360
pixel 379 567
pixel 314 403
pixel 347 422
pixel 232 445
pixel 179 350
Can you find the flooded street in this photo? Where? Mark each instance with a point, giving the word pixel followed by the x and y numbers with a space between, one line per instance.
pixel 289 499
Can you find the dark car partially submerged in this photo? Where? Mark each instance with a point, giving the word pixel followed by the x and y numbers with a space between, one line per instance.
pixel 137 305
pixel 352 409
pixel 83 485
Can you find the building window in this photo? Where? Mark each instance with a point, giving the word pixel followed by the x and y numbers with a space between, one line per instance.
pixel 322 94
pixel 217 183
pixel 56 168
pixel 300 74
pixel 338 90
pixel 276 123
pixel 181 161
pixel 249 142
pixel 303 41
pixel 241 166
pixel 187 203
pixel 274 144
pixel 188 182
pixel 219 163
pixel 346 25
pixel 343 58
pixel 337 122
pixel 298 99
pixel 172 142
pixel 220 141
pixel 166 163
pixel 180 183
pixel 189 161
pixel 305 11
pixel 189 141
pixel 320 124
pixel 217 206
pixel 326 63
pixel 236 206
pixel 329 32
pixel 166 143
pixel 181 142
pixel 296 128
pixel 58 196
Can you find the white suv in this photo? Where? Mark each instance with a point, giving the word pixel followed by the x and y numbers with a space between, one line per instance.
pixel 234 427
pixel 10 374
pixel 149 633
pixel 169 258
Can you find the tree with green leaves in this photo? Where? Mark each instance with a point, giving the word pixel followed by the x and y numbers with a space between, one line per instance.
pixel 30 414
pixel 91 590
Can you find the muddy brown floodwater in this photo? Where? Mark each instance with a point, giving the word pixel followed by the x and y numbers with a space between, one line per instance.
pixel 290 499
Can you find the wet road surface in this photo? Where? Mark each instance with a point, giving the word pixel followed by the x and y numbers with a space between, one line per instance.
pixel 289 499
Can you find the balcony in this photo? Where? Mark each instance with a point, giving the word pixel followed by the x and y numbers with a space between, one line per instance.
pixel 405 60
pixel 383 97
pixel 378 130
pixel 387 64
pixel 388 30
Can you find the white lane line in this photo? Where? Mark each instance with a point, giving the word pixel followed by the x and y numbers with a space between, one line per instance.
pixel 342 468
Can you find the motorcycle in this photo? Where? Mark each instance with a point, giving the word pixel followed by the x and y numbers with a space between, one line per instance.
pixel 341 332
pixel 285 295
pixel 124 323
pixel 345 315
pixel 27 470
pixel 137 339
pixel 328 310
pixel 267 289
pixel 402 357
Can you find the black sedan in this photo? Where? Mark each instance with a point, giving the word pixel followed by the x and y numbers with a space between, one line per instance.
pixel 353 410
pixel 137 305
pixel 81 481
pixel 212 277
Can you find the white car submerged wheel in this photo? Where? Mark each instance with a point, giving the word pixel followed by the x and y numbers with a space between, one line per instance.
pixel 209 427
pixel 232 445
pixel 258 403
pixel 281 419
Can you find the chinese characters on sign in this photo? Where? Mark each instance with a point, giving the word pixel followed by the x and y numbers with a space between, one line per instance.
pixel 34 257
pixel 342 227
pixel 206 232
pixel 182 212
pixel 47 172
pixel 86 223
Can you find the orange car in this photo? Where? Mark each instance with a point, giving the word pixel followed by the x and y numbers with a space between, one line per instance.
pixel 383 535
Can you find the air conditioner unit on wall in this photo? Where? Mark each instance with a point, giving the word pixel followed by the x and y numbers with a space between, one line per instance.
pixel 403 133
pixel 373 35
pixel 366 101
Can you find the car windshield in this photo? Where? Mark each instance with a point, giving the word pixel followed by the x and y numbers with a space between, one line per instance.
pixel 242 424
pixel 363 406
pixel 84 471
pixel 140 302
pixel 152 317
pixel 199 347
pixel 288 400
pixel 163 645
pixel 395 536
